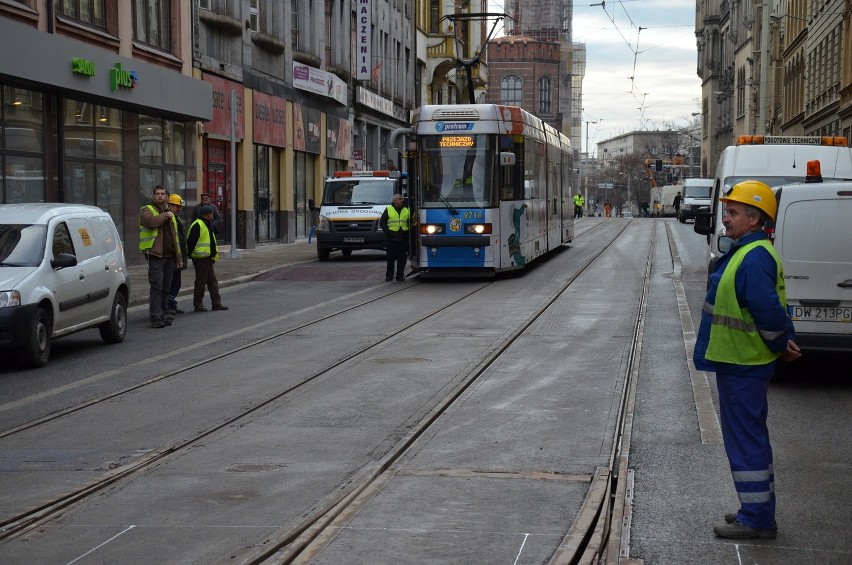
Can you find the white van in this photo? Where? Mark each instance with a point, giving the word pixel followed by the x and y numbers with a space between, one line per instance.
pixel 62 270
pixel 774 160
pixel 352 204
pixel 663 198
pixel 812 238
pixel 696 195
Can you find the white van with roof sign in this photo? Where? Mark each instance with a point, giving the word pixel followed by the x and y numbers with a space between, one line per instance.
pixel 811 236
pixel 696 196
pixel 352 205
pixel 774 161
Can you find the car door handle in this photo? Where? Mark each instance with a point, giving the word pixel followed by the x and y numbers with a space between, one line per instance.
pixel 106 267
pixel 845 284
pixel 82 276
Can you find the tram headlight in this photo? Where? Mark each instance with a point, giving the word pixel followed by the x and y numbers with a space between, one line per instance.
pixel 477 229
pixel 431 229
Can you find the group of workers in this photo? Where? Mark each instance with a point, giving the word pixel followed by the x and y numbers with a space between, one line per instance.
pixel 167 246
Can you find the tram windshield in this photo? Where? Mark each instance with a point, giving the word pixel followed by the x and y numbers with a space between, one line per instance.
pixel 457 170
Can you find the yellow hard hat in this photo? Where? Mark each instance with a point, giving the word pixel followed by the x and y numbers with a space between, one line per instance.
pixel 754 193
pixel 175 199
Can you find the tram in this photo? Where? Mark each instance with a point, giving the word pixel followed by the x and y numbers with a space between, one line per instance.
pixel 491 191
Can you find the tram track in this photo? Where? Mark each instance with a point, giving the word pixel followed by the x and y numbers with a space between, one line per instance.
pixel 20 524
pixel 302 542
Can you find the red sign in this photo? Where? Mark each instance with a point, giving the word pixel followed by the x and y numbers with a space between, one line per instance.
pixel 268 116
pixel 220 124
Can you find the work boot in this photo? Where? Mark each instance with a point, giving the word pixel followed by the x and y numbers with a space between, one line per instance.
pixel 730 517
pixel 200 309
pixel 158 324
pixel 738 530
pixel 219 307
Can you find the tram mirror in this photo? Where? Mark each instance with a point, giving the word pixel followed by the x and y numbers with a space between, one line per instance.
pixel 507 158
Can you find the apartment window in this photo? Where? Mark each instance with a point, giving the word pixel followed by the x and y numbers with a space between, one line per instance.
pixel 151 23
pixel 89 12
pixel 544 100
pixel 511 90
pixel 254 15
pixel 294 24
pixel 435 16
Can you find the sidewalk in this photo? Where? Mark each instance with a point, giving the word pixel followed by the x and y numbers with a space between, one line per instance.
pixel 248 264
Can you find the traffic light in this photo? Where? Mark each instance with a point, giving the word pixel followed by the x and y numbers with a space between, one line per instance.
pixel 658 165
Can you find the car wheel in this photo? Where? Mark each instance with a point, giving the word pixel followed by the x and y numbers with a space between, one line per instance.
pixel 114 330
pixel 347 252
pixel 37 350
pixel 322 253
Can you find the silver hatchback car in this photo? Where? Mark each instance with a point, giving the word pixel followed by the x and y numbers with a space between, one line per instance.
pixel 62 270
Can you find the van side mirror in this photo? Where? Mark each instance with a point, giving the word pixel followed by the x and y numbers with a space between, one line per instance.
pixel 64 260
pixel 704 221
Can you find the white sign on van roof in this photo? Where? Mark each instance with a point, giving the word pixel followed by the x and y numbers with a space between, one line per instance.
pixel 784 140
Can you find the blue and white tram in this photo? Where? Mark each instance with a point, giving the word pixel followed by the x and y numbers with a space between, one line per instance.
pixel 492 190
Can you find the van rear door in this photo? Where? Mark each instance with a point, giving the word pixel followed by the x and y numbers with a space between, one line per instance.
pixel 812 231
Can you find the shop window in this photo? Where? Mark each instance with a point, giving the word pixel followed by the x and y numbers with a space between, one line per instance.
pixel 151 23
pixel 165 157
pixel 22 163
pixel 89 12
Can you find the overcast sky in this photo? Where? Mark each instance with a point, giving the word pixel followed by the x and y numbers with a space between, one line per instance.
pixel 664 89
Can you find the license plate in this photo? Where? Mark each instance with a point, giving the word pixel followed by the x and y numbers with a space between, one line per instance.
pixel 822 314
pixel 353 240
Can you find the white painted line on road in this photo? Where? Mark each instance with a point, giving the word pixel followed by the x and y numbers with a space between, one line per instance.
pixel 521 549
pixel 127 529
pixel 708 421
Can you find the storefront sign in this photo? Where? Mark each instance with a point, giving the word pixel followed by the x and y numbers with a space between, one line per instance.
pixel 364 40
pixel 119 78
pixel 82 67
pixel 268 119
pixel 220 124
pixel 319 82
pixel 374 101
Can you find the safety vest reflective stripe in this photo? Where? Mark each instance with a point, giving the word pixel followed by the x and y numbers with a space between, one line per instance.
pixel 754 497
pixel 398 220
pixel 734 337
pixel 203 245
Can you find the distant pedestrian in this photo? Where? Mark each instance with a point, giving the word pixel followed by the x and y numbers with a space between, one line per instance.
pixel 744 329
pixel 201 243
pixel 676 204
pixel 175 206
pixel 396 223
pixel 205 201
pixel 158 233
pixel 579 201
pixel 608 208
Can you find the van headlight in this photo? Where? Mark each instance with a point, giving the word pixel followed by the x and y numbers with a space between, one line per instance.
pixel 9 298
pixel 323 224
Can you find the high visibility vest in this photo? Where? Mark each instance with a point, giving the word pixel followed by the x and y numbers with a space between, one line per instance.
pixel 148 235
pixel 398 220
pixel 734 338
pixel 579 200
pixel 206 241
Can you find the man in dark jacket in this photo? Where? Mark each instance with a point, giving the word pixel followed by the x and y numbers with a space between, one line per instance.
pixel 396 223
pixel 201 244
pixel 158 241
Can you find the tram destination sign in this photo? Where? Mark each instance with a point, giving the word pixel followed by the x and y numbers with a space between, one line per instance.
pixel 456 141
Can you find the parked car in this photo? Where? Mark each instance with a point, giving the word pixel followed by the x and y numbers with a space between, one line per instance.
pixel 814 220
pixel 62 270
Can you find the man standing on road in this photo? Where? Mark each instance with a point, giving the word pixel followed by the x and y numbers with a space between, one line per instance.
pixel 578 205
pixel 201 243
pixel 744 329
pixel 396 223
pixel 676 204
pixel 175 206
pixel 158 240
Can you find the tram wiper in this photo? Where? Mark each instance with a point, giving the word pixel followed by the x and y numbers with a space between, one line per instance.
pixel 446 202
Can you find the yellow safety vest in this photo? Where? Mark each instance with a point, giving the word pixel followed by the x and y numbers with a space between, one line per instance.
pixel 398 220
pixel 734 338
pixel 578 200
pixel 148 235
pixel 206 242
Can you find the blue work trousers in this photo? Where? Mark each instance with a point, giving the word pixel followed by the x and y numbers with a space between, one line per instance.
pixel 743 409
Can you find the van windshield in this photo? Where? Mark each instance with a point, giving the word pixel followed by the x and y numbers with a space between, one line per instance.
pixel 21 245
pixel 358 192
pixel 697 191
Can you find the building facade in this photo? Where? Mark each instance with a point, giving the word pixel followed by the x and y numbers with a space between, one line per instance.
pixel 89 113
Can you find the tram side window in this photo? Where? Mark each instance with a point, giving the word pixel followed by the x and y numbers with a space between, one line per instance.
pixel 512 177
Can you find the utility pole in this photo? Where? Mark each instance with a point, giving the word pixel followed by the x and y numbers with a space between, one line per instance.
pixel 585 177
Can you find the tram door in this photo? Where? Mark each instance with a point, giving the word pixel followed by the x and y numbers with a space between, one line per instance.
pixel 412 194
